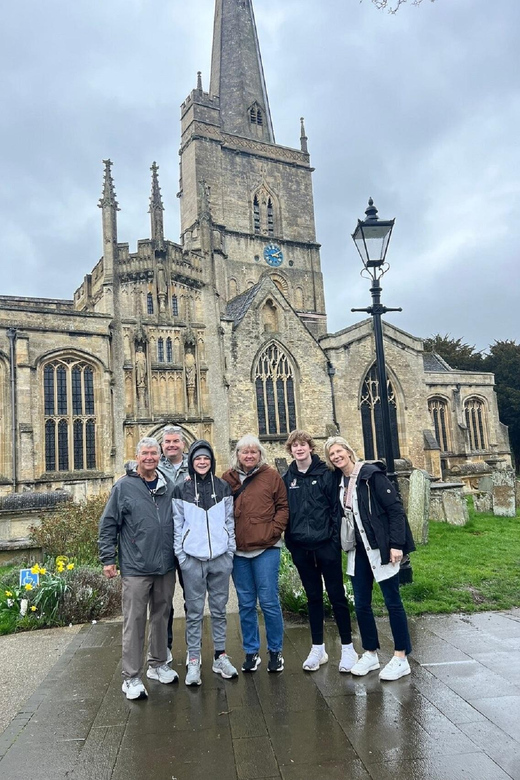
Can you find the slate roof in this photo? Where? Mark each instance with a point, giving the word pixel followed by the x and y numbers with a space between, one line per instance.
pixel 433 362
pixel 237 307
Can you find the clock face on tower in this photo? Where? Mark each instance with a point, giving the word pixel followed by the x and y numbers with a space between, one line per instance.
pixel 273 255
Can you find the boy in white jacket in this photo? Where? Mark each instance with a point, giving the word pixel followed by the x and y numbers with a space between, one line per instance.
pixel 204 543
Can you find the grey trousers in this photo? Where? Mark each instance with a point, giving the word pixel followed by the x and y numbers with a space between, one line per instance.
pixel 139 594
pixel 200 577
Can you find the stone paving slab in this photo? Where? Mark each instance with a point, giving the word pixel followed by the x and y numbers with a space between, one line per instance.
pixel 457 716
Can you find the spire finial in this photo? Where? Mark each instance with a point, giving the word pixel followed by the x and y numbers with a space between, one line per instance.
pixel 303 137
pixel 199 81
pixel 108 198
pixel 371 211
pixel 156 208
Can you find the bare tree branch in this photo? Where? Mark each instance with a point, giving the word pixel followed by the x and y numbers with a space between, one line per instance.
pixel 392 6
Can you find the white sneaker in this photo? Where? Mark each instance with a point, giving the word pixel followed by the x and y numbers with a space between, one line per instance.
pixel 349 657
pixel 397 667
pixel 163 674
pixel 133 688
pixel 368 662
pixel 316 658
pixel 193 672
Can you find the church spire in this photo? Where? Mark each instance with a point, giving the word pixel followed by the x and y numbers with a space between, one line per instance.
pixel 109 208
pixel 237 75
pixel 156 209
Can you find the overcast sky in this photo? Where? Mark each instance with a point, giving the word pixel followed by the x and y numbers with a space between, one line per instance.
pixel 420 110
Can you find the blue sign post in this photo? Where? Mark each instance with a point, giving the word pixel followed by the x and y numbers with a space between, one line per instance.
pixel 28 578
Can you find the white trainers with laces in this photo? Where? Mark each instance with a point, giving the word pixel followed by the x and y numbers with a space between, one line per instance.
pixel 349 657
pixel 222 665
pixel 133 688
pixel 368 662
pixel 193 672
pixel 162 674
pixel 397 667
pixel 316 658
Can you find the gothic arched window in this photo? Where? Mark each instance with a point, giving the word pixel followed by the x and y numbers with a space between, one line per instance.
pixel 255 115
pixel 70 422
pixel 160 350
pixel 476 421
pixel 175 306
pixel 169 350
pixel 438 408
pixel 371 418
pixel 270 217
pixel 274 385
pixel 149 303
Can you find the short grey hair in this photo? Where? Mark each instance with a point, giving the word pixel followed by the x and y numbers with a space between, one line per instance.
pixel 147 441
pixel 250 442
pixel 174 429
pixel 340 441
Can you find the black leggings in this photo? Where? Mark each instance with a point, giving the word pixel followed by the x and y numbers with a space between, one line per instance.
pixel 313 565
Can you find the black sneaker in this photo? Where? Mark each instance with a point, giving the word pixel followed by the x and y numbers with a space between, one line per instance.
pixel 251 663
pixel 275 662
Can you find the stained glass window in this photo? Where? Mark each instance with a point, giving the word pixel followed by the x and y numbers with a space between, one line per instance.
pixel 372 419
pixel 274 384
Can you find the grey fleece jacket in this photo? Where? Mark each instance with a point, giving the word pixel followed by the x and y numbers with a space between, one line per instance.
pixel 136 528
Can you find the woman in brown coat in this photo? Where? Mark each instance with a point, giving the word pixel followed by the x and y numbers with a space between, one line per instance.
pixel 261 515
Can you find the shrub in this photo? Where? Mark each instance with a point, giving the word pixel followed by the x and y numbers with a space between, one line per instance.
pixel 66 594
pixel 71 529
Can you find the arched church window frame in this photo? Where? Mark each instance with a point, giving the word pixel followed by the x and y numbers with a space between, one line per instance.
pixel 175 306
pixel 371 416
pixel 439 410
pixel 256 214
pixel 160 350
pixel 265 212
pixel 476 419
pixel 274 376
pixel 69 419
pixel 149 303
pixel 256 115
pixel 169 350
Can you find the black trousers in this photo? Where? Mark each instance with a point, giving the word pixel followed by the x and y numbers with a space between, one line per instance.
pixel 316 567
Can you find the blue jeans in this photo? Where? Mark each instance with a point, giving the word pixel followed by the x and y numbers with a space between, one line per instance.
pixel 362 584
pixel 256 580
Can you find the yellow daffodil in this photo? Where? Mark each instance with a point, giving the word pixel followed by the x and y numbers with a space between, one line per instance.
pixel 43 571
pixel 33 608
pixel 60 568
pixel 70 566
pixel 8 593
pixel 28 586
pixel 35 569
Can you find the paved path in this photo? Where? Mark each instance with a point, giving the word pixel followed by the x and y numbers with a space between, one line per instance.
pixel 457 717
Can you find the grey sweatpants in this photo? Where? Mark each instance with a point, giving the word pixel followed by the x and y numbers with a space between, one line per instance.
pixel 200 577
pixel 139 593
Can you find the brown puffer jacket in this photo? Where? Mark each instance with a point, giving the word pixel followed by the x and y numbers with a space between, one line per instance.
pixel 261 509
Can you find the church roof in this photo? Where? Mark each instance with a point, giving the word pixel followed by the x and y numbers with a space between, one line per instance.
pixel 433 362
pixel 237 307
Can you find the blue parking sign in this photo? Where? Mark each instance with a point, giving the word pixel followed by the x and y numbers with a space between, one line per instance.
pixel 28 578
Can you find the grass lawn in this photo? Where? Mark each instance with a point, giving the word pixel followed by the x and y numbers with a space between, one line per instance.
pixel 467 569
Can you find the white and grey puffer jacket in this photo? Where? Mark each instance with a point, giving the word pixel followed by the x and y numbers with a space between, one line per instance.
pixel 203 521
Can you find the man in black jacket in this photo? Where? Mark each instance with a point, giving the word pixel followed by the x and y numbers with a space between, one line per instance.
pixel 136 529
pixel 312 536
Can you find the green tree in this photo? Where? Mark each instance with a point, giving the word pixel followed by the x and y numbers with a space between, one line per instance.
pixel 504 361
pixel 456 353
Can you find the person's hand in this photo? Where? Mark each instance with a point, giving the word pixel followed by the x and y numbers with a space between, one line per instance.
pixel 110 570
pixel 396 556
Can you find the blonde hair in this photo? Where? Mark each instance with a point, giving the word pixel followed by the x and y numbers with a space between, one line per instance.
pixel 342 443
pixel 251 442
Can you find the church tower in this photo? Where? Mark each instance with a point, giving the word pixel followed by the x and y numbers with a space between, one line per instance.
pixel 246 202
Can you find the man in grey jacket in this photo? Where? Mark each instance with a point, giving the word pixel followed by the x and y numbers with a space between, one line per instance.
pixel 136 529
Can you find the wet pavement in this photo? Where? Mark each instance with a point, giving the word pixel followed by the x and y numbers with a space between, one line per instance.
pixel 457 716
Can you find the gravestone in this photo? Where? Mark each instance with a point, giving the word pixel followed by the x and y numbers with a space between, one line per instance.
pixel 504 493
pixel 419 505
pixel 447 503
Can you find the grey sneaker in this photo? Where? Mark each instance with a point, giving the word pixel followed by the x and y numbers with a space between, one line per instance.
pixel 163 674
pixel 193 672
pixel 222 665
pixel 133 688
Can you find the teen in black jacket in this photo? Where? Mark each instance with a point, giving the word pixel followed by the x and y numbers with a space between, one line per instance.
pixel 312 536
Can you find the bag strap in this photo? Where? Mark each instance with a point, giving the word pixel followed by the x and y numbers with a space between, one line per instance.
pixel 243 486
pixel 347 501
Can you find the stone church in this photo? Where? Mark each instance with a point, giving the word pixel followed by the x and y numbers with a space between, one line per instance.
pixel 225 332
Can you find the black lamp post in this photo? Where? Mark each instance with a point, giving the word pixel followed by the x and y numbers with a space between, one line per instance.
pixel 372 237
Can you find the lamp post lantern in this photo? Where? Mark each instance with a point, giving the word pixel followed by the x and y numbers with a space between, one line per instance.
pixel 372 237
